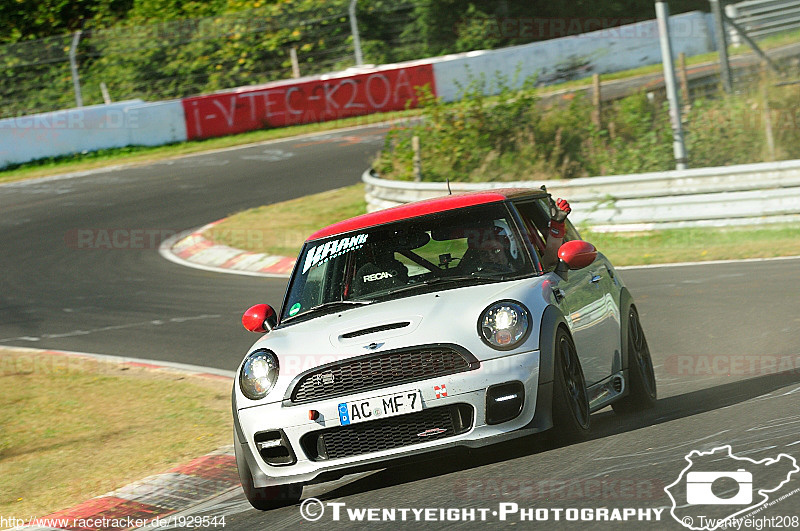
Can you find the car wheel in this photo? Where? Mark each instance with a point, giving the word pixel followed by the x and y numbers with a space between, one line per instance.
pixel 265 498
pixel 641 376
pixel 570 402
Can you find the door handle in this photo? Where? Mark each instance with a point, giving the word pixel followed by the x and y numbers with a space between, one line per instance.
pixel 596 279
pixel 558 293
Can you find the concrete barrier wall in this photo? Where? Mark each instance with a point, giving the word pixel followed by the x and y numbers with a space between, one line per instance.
pixel 600 52
pixel 315 99
pixel 120 124
pixel 155 124
pixel 353 92
pixel 729 195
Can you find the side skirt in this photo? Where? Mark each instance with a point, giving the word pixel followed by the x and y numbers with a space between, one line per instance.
pixel 606 391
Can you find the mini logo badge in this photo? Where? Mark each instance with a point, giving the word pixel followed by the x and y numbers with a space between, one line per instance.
pixel 374 346
pixel 431 432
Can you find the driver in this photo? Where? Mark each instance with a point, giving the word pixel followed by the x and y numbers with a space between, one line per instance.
pixel 496 252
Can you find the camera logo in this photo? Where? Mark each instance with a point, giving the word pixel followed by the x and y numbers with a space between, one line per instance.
pixel 717 487
pixel 699 488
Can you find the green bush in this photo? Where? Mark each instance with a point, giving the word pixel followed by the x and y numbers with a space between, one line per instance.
pixel 511 137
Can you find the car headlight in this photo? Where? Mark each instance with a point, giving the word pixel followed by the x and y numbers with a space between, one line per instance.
pixel 504 325
pixel 259 374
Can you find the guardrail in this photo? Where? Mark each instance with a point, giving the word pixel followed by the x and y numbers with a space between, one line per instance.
pixel 723 196
pixel 761 18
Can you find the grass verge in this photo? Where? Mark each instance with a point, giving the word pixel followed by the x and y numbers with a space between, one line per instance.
pixel 281 229
pixel 695 245
pixel 74 428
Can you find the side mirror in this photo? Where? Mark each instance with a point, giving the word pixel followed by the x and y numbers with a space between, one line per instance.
pixel 260 318
pixel 575 254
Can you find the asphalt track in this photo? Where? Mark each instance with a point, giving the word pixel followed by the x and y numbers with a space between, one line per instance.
pixel 62 291
pixel 64 294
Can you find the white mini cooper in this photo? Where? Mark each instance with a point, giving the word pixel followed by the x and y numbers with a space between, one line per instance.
pixel 427 326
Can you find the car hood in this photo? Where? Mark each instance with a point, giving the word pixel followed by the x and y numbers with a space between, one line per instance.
pixel 445 316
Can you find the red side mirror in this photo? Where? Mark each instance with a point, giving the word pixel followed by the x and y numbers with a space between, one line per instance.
pixel 260 318
pixel 577 254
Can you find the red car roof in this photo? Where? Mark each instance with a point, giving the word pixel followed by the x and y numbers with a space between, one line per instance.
pixel 421 208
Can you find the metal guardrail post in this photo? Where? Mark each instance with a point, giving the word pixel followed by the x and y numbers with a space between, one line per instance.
pixel 750 42
pixel 73 64
pixel 354 30
pixel 679 147
pixel 722 45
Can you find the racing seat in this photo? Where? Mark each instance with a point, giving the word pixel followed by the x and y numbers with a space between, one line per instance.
pixel 385 272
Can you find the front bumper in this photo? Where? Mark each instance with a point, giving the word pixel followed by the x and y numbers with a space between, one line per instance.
pixel 468 388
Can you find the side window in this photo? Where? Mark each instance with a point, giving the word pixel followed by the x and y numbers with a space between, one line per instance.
pixel 536 216
pixel 537 213
pixel 572 233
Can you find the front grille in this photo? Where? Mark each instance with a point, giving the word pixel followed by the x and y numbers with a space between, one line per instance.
pixel 379 370
pixel 388 433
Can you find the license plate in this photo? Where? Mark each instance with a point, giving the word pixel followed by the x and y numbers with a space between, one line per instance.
pixel 380 407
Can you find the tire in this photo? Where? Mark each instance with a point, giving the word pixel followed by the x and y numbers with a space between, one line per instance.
pixel 264 498
pixel 571 419
pixel 642 392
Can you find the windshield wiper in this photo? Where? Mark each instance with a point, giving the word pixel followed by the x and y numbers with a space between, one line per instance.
pixel 478 275
pixel 331 304
pixel 480 278
pixel 327 305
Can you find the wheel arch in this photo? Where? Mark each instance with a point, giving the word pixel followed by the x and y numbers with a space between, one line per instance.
pixel 552 318
pixel 625 302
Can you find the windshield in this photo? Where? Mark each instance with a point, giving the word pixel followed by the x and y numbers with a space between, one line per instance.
pixel 448 249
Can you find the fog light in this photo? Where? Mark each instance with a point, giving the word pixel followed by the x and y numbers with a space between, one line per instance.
pixel 504 402
pixel 274 448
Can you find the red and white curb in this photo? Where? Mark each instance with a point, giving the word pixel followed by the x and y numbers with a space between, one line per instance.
pixel 194 250
pixel 156 497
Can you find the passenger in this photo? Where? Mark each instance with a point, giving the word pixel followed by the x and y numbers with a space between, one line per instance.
pixel 557 229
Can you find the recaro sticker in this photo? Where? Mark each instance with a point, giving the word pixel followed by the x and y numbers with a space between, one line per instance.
pixel 322 253
pixel 380 276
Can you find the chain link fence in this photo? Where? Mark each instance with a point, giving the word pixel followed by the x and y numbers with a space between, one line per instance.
pixel 185 57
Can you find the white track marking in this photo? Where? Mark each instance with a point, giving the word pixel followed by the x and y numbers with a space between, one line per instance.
pixel 710 262
pixel 194 369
